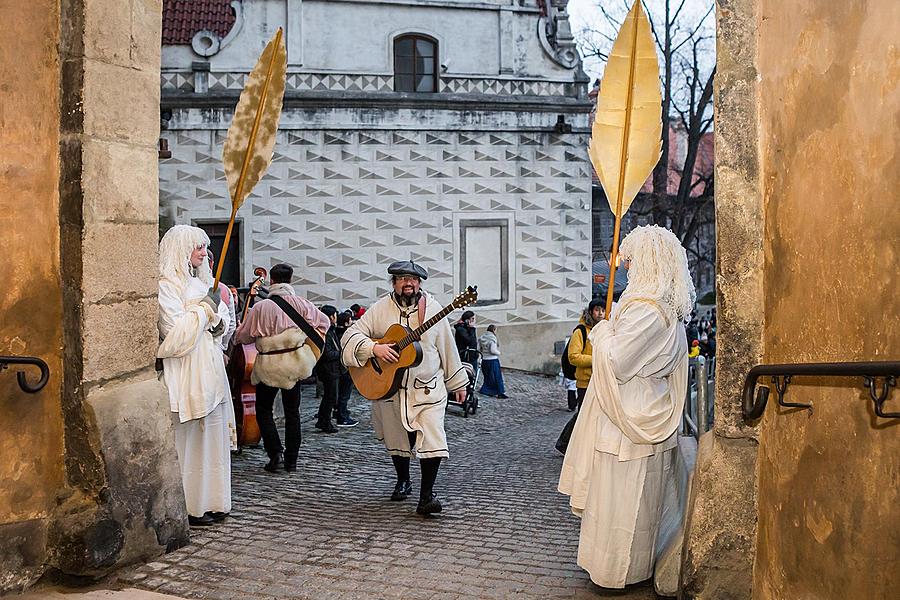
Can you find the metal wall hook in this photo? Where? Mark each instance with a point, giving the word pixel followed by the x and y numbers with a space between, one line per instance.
pixel 755 398
pixel 21 378
pixel 879 397
pixel 781 386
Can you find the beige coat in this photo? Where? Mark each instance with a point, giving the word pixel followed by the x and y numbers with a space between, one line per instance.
pixel 419 404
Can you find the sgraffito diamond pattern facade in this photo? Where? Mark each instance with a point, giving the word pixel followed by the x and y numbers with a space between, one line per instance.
pixel 340 205
pixel 491 86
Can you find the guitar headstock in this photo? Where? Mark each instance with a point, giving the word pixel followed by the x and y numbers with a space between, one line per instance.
pixel 467 297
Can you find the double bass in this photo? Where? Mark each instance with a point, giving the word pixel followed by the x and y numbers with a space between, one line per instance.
pixel 240 365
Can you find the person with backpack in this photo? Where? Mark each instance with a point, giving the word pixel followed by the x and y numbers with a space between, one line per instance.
pixel 578 356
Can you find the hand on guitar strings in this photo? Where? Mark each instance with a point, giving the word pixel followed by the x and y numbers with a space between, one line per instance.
pixel 386 352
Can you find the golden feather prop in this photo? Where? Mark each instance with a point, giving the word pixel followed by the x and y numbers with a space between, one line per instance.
pixel 251 137
pixel 626 137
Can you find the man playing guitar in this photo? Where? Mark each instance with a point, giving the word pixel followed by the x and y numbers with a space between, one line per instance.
pixel 411 421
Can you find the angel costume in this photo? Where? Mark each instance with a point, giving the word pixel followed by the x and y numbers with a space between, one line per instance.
pixel 622 451
pixel 194 374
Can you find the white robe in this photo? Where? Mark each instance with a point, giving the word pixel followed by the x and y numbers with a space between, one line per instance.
pixel 622 448
pixel 421 401
pixel 199 397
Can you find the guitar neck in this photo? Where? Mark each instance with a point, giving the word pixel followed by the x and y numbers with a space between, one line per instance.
pixel 417 334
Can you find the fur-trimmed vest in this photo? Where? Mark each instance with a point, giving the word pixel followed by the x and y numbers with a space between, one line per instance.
pixel 284 369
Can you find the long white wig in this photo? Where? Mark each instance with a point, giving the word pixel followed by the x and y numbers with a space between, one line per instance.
pixel 658 270
pixel 175 250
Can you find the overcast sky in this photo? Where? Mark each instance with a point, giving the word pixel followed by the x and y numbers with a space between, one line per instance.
pixel 585 12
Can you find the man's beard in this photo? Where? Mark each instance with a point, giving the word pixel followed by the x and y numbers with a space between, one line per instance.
pixel 405 298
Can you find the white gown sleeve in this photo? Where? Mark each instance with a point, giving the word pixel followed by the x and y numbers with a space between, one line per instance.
pixel 357 342
pixel 180 326
pixel 627 340
pixel 232 322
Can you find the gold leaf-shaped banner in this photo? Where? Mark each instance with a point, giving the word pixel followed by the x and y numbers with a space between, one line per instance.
pixel 626 136
pixel 251 136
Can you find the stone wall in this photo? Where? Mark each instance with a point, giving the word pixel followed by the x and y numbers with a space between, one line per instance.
pixel 721 529
pixel 829 523
pixel 32 469
pixel 101 466
pixel 342 204
pixel 805 182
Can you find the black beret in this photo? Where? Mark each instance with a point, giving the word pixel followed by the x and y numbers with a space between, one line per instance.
pixel 407 267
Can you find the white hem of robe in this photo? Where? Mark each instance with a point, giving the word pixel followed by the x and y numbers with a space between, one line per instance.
pixel 630 519
pixel 204 455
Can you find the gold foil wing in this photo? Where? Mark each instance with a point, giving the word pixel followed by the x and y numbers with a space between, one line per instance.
pixel 626 136
pixel 251 136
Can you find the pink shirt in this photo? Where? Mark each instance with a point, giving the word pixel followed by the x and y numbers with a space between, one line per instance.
pixel 266 319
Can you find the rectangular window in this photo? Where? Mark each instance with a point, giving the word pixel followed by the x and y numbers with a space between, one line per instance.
pixel 231 272
pixel 484 258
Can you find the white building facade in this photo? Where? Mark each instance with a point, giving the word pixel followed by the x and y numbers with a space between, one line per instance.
pixel 450 132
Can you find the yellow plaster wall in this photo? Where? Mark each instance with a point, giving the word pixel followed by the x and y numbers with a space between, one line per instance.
pixel 31 442
pixel 829 481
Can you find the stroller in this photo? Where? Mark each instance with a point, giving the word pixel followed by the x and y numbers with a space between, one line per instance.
pixel 473 368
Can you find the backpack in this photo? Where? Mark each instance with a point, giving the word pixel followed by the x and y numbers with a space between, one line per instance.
pixel 568 369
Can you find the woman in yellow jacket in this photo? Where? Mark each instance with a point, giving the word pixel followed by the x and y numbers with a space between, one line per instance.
pixel 580 347
pixel 580 351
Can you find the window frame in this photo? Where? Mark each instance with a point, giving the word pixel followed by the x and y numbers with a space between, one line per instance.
pixel 416 38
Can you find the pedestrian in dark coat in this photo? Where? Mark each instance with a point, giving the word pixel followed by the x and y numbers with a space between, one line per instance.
pixel 466 339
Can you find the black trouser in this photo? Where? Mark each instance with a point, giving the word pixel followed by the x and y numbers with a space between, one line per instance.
pixel 290 399
pixel 335 395
pixel 344 388
pixel 562 442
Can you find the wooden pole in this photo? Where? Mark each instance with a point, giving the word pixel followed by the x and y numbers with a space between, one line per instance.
pixel 225 247
pixel 613 258
pixel 239 188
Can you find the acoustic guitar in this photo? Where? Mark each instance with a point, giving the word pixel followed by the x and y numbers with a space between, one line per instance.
pixel 378 380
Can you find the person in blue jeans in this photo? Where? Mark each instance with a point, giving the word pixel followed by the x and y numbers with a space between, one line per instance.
pixel 490 364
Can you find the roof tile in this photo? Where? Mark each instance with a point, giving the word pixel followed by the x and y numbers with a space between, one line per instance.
pixel 183 18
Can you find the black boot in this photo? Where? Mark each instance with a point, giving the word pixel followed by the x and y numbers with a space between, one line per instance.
pixel 274 460
pixel 572 400
pixel 428 502
pixel 290 463
pixel 205 521
pixel 217 517
pixel 401 491
pixel 429 505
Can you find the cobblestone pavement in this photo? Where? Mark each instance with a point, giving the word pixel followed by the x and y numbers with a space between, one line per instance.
pixel 329 531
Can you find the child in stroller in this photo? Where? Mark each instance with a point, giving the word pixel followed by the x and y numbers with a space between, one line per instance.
pixel 472 364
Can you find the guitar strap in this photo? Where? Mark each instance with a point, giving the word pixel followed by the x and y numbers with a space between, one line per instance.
pixel 311 334
pixel 421 309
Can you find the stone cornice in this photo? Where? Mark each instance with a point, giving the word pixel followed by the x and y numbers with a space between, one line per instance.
pixel 331 99
pixel 446 4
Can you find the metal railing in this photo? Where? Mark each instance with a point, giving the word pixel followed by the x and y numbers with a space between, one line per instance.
pixel 698 405
pixel 754 404
pixel 5 361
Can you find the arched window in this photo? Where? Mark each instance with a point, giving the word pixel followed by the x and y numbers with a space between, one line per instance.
pixel 415 64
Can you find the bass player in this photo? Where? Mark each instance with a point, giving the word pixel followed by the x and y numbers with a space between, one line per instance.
pixel 411 422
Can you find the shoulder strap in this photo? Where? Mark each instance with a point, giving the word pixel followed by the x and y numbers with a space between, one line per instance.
pixel 291 312
pixel 421 309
